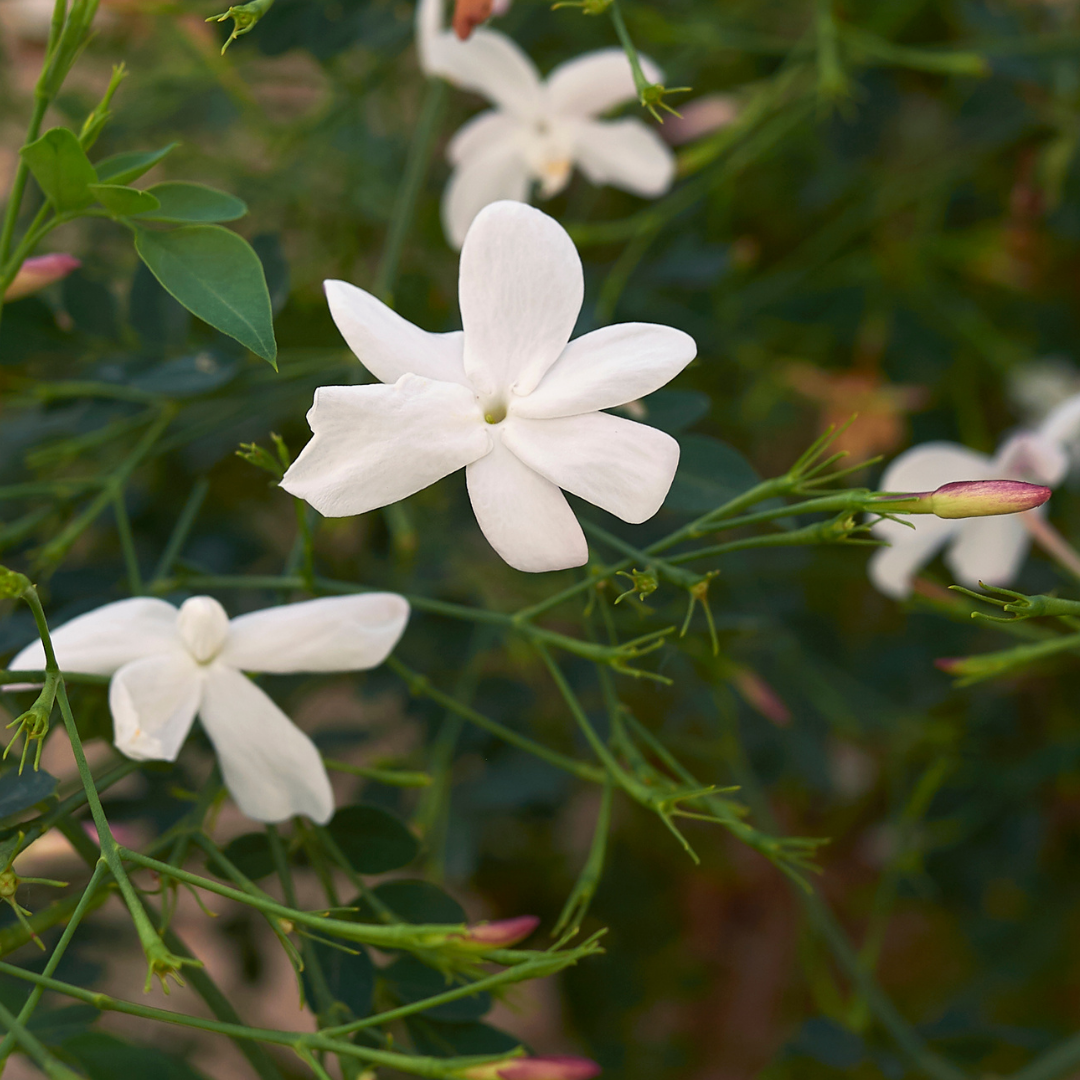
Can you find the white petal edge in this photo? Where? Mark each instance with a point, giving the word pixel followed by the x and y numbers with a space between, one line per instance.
pixel 627 154
pixel 591 84
pixel 102 641
pixel 489 64
pixel 388 345
pixel 623 467
pixel 609 367
pixel 497 173
pixel 520 287
pixel 374 445
pixel 990 549
pixel 525 518
pixel 153 702
pixel 1032 458
pixel 334 633
pixel 892 569
pixel 1062 423
pixel 271 768
pixel 929 465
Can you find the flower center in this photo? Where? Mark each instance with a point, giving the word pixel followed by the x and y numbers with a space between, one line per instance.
pixel 203 627
pixel 494 412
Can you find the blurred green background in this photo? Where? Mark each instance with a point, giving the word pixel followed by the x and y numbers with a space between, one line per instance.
pixel 889 227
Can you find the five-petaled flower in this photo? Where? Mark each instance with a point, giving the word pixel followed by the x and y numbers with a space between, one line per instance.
pixel 988 549
pixel 510 398
pixel 168 664
pixel 539 129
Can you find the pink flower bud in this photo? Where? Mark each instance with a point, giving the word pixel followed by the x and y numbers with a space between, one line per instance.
pixel 951 665
pixel 971 498
pixel 41 270
pixel 705 114
pixel 501 934
pixel 759 695
pixel 535 1068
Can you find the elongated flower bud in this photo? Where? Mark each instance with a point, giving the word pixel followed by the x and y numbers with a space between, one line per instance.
pixel 38 272
pixel 501 934
pixel 970 498
pixel 535 1068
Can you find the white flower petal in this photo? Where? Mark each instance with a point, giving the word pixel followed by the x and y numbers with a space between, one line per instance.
pixel 525 518
pixel 373 445
pixel 989 549
pixel 271 768
pixel 1062 423
pixel 622 467
pixel 591 84
pixel 1032 458
pixel 489 64
pixel 388 345
pixel 892 569
pixel 496 173
pixel 335 633
pixel 609 367
pixel 483 132
pixel 627 154
pixel 928 466
pixel 520 289
pixel 103 640
pixel 153 702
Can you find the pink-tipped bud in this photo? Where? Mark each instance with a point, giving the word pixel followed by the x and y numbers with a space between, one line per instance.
pixel 760 696
pixel 535 1068
pixel 703 115
pixel 970 498
pixel 501 934
pixel 41 270
pixel 951 665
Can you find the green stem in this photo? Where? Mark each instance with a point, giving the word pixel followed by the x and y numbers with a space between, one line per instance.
pixel 127 544
pixel 181 530
pixel 34 1050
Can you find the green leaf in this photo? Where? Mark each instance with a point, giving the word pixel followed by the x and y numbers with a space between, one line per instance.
pixel 441 1039
pixel 251 855
pixel 61 167
pixel 105 1057
pixel 350 976
pixel 413 901
pixel 215 274
pixel 18 793
pixel 710 474
pixel 123 200
pixel 372 840
pixel 410 980
pixel 130 165
pixel 181 202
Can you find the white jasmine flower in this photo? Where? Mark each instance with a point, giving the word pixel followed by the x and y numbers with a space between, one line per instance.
pixel 510 398
pixel 168 664
pixel 988 549
pixel 539 129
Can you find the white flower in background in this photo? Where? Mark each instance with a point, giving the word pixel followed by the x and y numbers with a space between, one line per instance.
pixel 510 398
pixel 539 129
pixel 988 549
pixel 168 665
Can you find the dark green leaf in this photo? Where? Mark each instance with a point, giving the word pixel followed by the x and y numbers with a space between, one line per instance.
pixel 180 202
pixel 710 473
pixel 350 977
pixel 412 901
pixel 156 317
pixel 123 200
pixel 187 376
pixel 675 410
pixel 58 1025
pixel 251 855
pixel 105 1057
pixel 18 793
pixel 217 277
pixel 62 169
pixel 410 980
pixel 130 165
pixel 268 247
pixel 441 1039
pixel 91 305
pixel 372 840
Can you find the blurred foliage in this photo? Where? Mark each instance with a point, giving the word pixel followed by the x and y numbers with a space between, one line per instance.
pixel 898 202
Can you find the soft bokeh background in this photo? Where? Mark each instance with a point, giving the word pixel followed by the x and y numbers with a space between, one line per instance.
pixel 887 238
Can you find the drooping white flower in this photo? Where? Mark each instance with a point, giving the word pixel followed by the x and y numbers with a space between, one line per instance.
pixel 167 665
pixel 511 399
pixel 539 129
pixel 988 549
